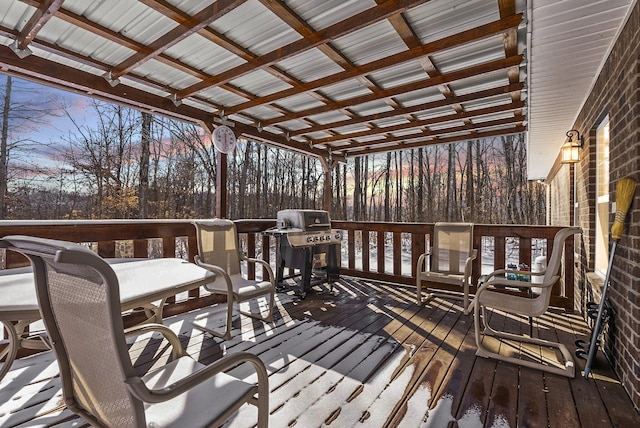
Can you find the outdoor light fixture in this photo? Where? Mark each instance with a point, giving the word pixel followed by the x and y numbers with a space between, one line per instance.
pixel 570 150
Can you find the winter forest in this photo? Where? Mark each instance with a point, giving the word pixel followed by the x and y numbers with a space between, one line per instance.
pixel 127 164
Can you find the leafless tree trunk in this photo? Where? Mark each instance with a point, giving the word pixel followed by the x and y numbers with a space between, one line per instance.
pixel 511 184
pixel 344 192
pixel 420 189
pixel 3 148
pixel 387 196
pixel 143 188
pixel 471 199
pixel 451 183
pixel 399 185
pixel 357 188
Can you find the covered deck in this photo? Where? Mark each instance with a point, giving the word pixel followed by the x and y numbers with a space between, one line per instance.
pixel 365 354
pixel 362 352
pixel 440 73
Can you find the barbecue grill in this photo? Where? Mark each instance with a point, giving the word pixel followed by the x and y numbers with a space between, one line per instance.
pixel 305 241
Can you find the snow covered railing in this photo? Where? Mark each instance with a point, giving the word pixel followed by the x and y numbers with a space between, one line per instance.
pixel 119 239
pixel 371 250
pixel 389 252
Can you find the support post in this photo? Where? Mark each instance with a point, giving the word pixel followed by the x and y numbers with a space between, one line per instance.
pixel 221 176
pixel 327 166
pixel 221 185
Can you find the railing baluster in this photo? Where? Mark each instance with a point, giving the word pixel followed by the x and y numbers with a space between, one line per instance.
pixel 251 253
pixel 266 254
pixel 140 248
pixel 397 249
pixel 351 237
pixel 107 249
pixel 380 250
pixel 366 254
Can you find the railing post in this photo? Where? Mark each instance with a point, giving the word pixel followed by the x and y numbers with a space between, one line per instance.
pixel 380 250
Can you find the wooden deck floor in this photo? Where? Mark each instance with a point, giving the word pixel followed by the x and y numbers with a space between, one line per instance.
pixel 364 354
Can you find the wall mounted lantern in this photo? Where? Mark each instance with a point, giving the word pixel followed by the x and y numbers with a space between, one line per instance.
pixel 571 149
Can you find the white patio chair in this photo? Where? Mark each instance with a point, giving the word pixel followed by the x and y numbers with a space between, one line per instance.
pixel 218 251
pixel 78 295
pixel 449 260
pixel 489 296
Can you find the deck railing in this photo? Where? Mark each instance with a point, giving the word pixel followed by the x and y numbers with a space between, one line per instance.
pixel 389 252
pixel 372 250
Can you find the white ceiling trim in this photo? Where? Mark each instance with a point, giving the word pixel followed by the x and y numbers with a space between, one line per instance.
pixel 556 95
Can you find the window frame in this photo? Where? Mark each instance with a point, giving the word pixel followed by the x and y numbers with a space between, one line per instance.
pixel 601 258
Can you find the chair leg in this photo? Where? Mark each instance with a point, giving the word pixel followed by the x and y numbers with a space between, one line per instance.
pixel 465 299
pixel 272 298
pixel 269 316
pixel 569 367
pixel 227 330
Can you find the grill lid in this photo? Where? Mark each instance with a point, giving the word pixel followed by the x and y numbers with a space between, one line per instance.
pixel 305 220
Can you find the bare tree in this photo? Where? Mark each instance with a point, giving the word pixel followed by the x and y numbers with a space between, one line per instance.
pixel 104 156
pixel 23 112
pixel 143 187
pixel 387 189
pixel 200 148
pixel 4 147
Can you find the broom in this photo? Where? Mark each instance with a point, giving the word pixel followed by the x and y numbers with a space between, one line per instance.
pixel 625 190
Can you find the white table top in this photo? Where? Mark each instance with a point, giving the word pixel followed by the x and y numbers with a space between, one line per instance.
pixel 141 281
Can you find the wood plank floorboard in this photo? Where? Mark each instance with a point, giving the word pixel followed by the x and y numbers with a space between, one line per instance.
pixel 364 354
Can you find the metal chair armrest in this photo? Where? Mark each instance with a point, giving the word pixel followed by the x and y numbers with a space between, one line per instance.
pixel 265 265
pixel 468 264
pixel 139 389
pixel 177 350
pixel 218 271
pixel 421 260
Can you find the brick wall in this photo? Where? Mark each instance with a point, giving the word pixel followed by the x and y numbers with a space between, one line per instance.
pixel 560 198
pixel 615 93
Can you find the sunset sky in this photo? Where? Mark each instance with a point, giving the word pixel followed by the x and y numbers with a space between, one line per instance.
pixel 26 95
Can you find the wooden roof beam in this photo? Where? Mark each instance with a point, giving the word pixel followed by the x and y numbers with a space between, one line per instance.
pixel 483 31
pixel 418 144
pixel 432 133
pixel 316 39
pixel 510 41
pixel 295 22
pixel 412 109
pixel 185 28
pixel 43 13
pixel 124 41
pixel 71 79
pixel 410 87
pixel 423 123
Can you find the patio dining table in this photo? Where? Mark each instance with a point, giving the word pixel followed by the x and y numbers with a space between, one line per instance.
pixel 144 283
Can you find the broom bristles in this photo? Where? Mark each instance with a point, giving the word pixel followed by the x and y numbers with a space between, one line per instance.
pixel 625 190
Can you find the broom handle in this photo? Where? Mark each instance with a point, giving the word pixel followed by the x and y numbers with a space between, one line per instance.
pixel 625 190
pixel 593 347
